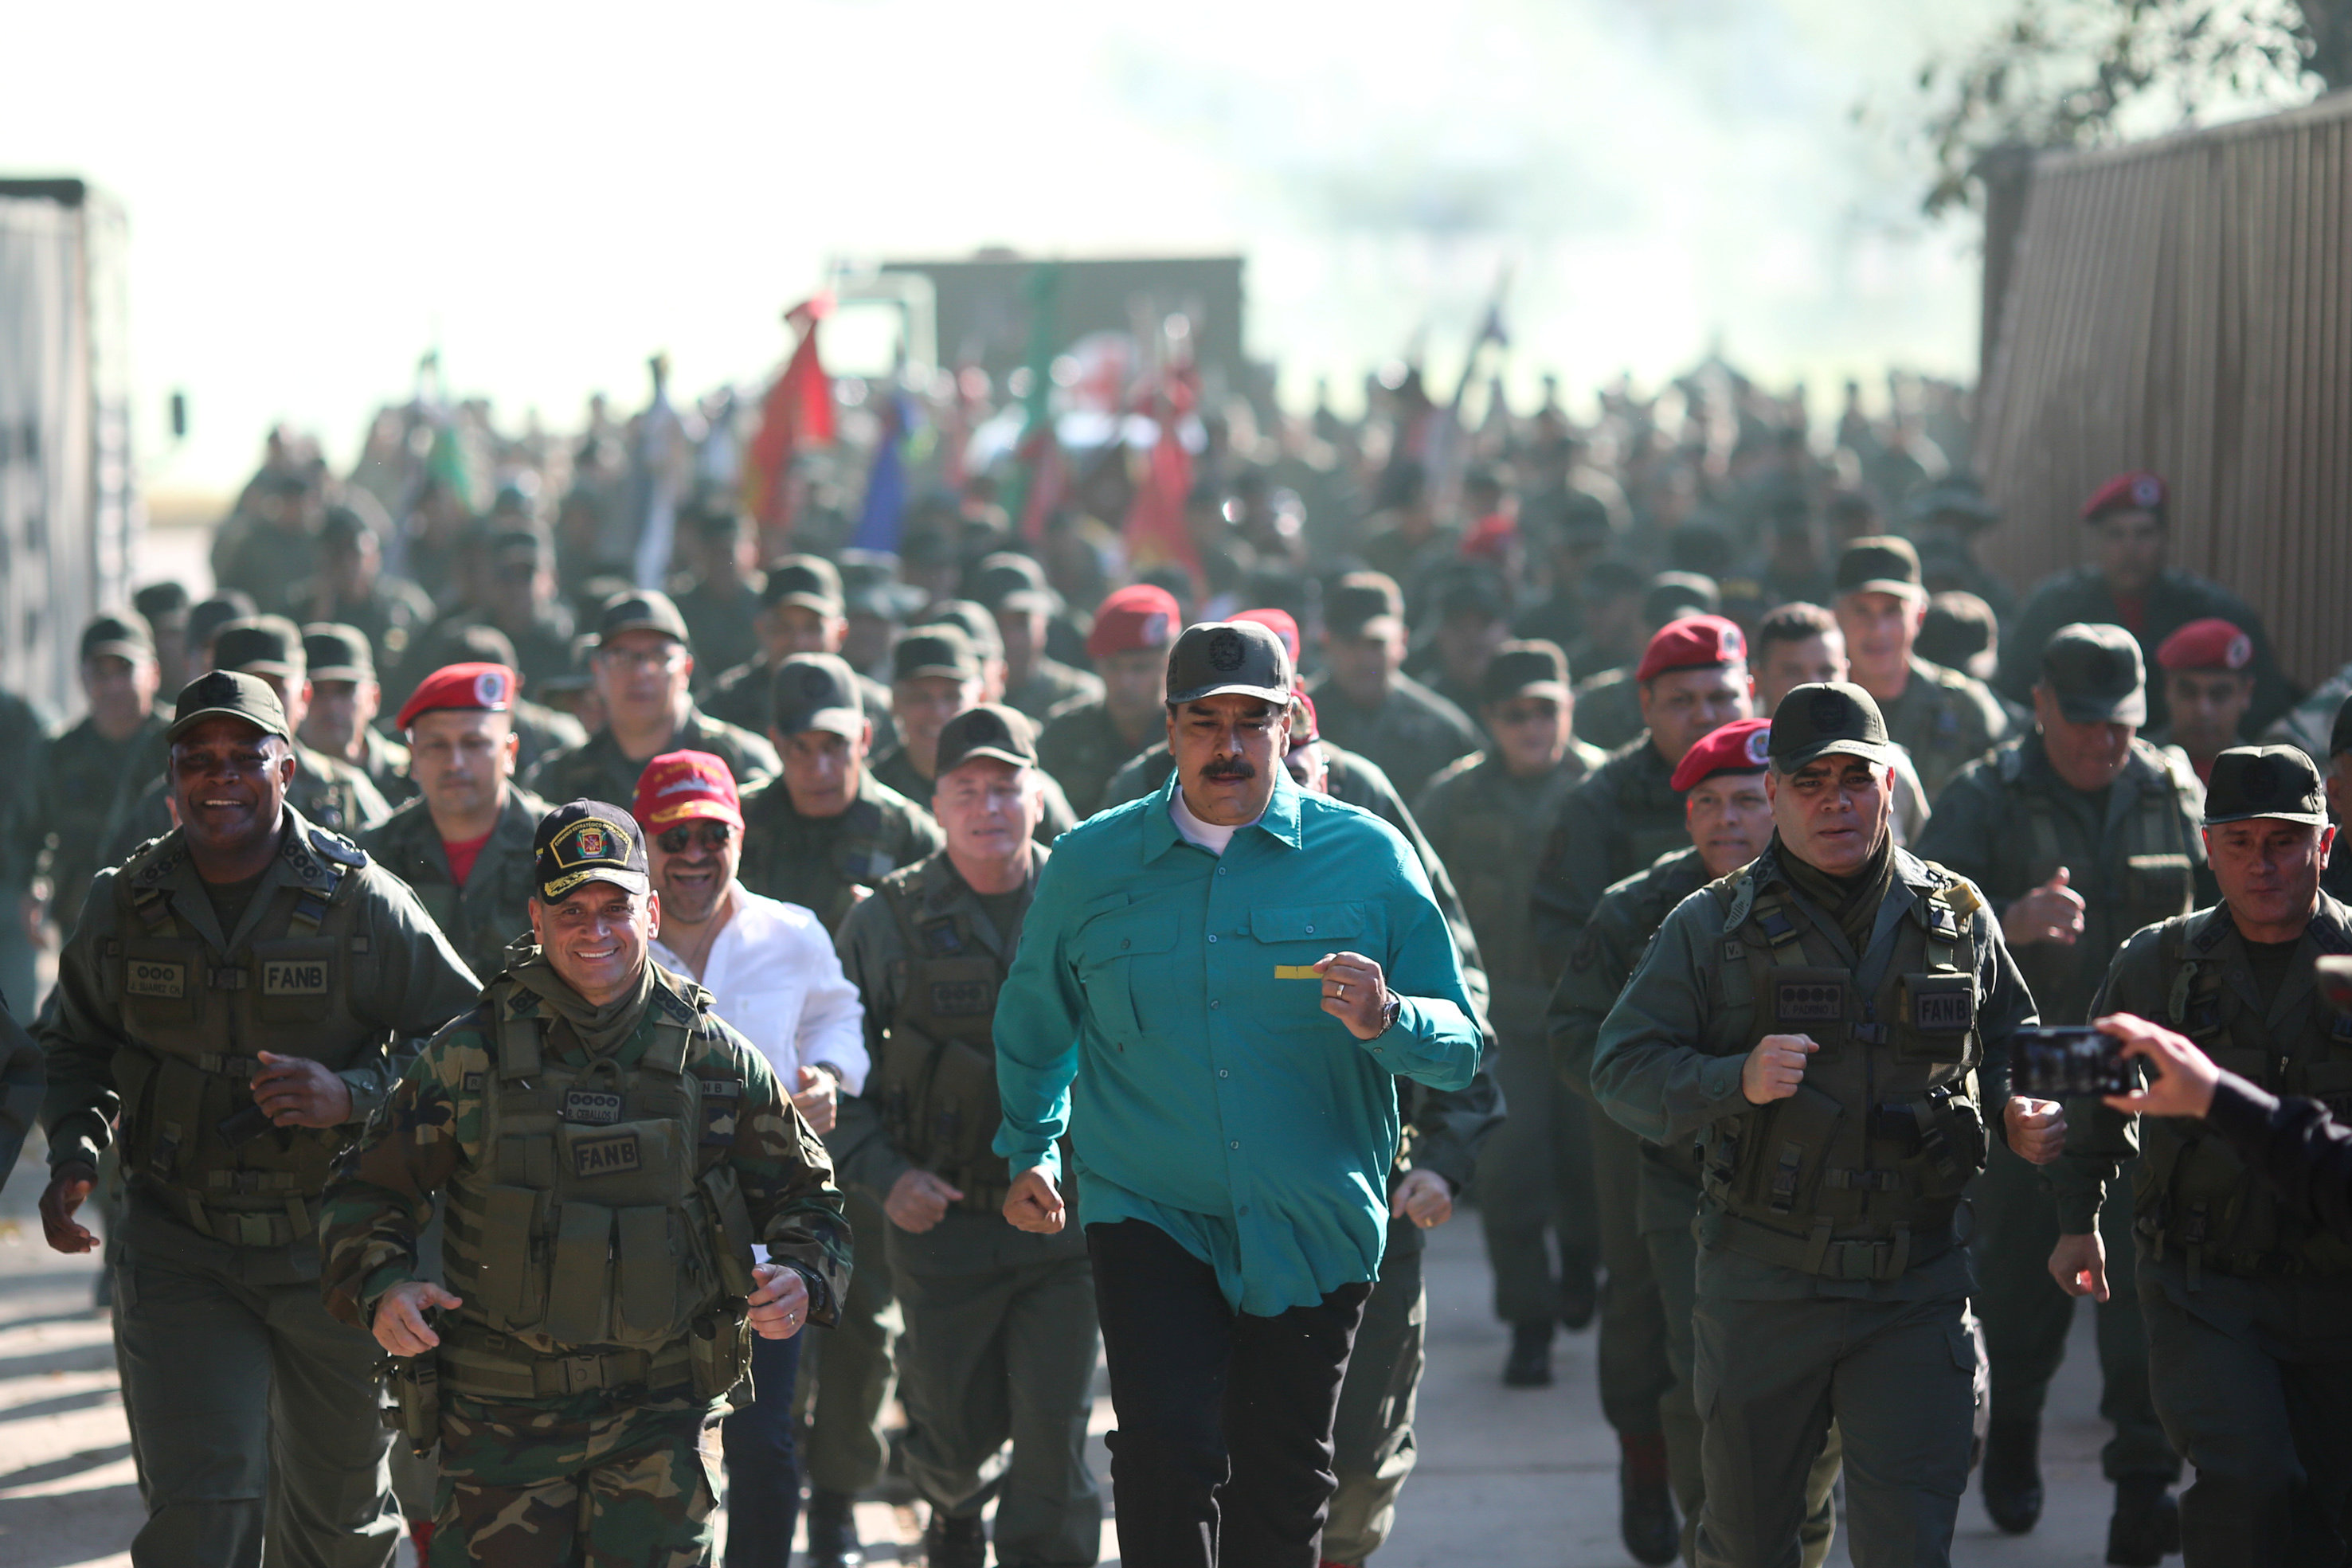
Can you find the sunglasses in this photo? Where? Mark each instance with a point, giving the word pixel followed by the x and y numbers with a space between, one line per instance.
pixel 703 835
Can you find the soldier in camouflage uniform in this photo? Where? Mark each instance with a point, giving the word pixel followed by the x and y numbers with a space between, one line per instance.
pixel 1944 719
pixel 234 1002
pixel 1481 814
pixel 611 1149
pixel 1086 742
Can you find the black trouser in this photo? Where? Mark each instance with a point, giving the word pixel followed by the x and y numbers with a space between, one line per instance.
pixel 1222 1452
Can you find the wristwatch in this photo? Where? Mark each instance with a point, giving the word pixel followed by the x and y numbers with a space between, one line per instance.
pixel 1394 1005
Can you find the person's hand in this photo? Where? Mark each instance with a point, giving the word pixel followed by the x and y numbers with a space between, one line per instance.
pixel 2079 1264
pixel 818 1099
pixel 1424 1198
pixel 2037 1129
pixel 780 1306
pixel 1034 1204
pixel 917 1201
pixel 1775 1067
pixel 69 1186
pixel 2051 912
pixel 400 1326
pixel 1354 992
pixel 295 1091
pixel 2185 1076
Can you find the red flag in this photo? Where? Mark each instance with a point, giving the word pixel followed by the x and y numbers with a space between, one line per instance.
pixel 797 413
pixel 1155 531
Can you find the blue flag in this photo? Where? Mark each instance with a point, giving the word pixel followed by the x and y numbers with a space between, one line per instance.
pixel 886 486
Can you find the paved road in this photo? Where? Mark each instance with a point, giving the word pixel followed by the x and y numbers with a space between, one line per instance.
pixel 1508 1478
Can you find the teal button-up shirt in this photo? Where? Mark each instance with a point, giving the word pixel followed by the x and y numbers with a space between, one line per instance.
pixel 1201 1093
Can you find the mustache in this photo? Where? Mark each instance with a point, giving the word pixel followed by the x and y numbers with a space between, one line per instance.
pixel 1235 767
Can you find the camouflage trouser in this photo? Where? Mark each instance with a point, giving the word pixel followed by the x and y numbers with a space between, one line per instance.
pixel 581 1480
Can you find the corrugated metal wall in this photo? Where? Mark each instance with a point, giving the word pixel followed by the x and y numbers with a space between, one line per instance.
pixel 2186 305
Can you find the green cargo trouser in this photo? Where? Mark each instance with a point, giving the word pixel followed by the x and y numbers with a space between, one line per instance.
pixel 1004 1352
pixel 847 1450
pixel 1535 1184
pixel 1373 1450
pixel 253 1413
pixel 1898 1379
pixel 585 1481
pixel 2026 1316
pixel 2254 1380
pixel 1634 1374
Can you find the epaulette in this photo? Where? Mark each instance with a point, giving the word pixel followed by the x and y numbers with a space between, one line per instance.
pixel 338 849
pixel 156 859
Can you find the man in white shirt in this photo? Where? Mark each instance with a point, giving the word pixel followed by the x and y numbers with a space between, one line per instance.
pixel 772 968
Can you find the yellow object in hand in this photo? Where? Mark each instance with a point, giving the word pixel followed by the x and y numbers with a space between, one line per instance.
pixel 1296 972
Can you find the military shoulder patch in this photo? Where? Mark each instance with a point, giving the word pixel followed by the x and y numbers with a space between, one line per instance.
pixel 338 849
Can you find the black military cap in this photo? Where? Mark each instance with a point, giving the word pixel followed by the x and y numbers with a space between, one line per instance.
pixel 1958 627
pixel 520 541
pixel 2096 674
pixel 1241 657
pixel 1008 580
pixel 2264 782
pixel 229 693
pixel 992 729
pixel 817 691
pixel 1886 564
pixel 1472 592
pixel 165 597
pixel 337 652
pixel 2339 738
pixel 978 624
pixel 1824 718
pixel 808 580
pixel 208 617
pixel 1673 594
pixel 345 525
pixel 1356 601
pixel 479 644
pixel 123 636
pixel 944 650
pixel 641 610
pixel 260 645
pixel 1536 668
pixel 582 842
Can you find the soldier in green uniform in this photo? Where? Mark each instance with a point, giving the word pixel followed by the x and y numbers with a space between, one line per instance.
pixel 1087 741
pixel 351 589
pixel 234 1004
pixel 90 771
pixel 539 729
pixel 610 1151
pixel 999 1325
pixel 1943 718
pixel 722 598
pixel 1364 699
pixel 2077 835
pixel 2248 1308
pixel 1609 703
pixel 1013 589
pixel 1730 821
pixel 821 834
pixel 935 673
pixel 1832 1025
pixel 800 612
pixel 643 669
pixel 344 700
pixel 1537 1173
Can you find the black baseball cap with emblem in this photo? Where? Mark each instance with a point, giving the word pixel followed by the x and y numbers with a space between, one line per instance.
pixel 2266 781
pixel 337 652
pixel 817 691
pixel 261 645
pixel 1239 657
pixel 640 609
pixel 943 650
pixel 1827 718
pixel 228 693
pixel 992 729
pixel 1883 564
pixel 583 841
pixel 121 636
pixel 2096 674
pixel 808 580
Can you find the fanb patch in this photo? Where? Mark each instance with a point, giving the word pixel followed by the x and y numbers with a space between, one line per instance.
pixel 294 977
pixel 1942 1010
pixel 157 977
pixel 612 1154
pixel 591 1107
pixel 1809 1001
pixel 962 998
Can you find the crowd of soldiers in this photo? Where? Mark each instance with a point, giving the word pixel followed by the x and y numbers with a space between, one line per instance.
pixel 1740 1134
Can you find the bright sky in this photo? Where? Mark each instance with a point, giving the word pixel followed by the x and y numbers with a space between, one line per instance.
pixel 316 193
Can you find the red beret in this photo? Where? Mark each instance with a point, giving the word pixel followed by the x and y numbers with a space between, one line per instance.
pixel 1695 642
pixel 2211 644
pixel 483 688
pixel 1299 699
pixel 680 785
pixel 1281 623
pixel 1738 746
pixel 2138 491
pixel 1138 617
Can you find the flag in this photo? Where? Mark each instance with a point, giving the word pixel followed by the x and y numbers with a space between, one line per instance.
pixel 1043 288
pixel 886 484
pixel 797 414
pixel 1154 530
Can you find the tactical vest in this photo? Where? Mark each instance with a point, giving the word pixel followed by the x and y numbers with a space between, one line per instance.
pixel 1858 1173
pixel 936 1080
pixel 603 1241
pixel 2191 1193
pixel 191 1134
pixel 1935 731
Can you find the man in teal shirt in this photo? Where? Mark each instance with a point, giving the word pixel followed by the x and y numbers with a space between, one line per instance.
pixel 1214 986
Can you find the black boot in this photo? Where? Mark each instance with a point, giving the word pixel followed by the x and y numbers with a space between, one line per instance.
pixel 2146 1528
pixel 1645 1501
pixel 833 1531
pixel 1529 1363
pixel 2012 1474
pixel 954 1543
pixel 1580 1294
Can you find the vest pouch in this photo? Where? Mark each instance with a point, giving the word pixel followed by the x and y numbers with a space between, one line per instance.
pixel 1936 1018
pixel 964 1110
pixel 295 980
pixel 657 1280
pixel 1782 1162
pixel 730 1225
pixel 902 1084
pixel 135 1072
pixel 625 1164
pixel 511 1278
pixel 163 983
pixel 187 1104
pixel 2157 888
pixel 718 1346
pixel 579 1275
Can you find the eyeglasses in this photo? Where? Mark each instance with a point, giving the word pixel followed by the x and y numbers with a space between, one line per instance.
pixel 700 835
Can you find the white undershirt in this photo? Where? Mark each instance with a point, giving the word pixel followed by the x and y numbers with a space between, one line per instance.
pixel 1208 835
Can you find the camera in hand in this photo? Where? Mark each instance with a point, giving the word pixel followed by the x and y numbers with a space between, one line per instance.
pixel 2057 1063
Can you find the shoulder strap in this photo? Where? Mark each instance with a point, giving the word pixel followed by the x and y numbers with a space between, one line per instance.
pixel 519 1029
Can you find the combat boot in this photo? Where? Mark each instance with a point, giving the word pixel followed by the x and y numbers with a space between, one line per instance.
pixel 1645 1501
pixel 2012 1474
pixel 833 1531
pixel 954 1543
pixel 1580 1294
pixel 2146 1528
pixel 1529 1363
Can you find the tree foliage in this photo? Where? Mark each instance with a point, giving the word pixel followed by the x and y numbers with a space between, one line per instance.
pixel 2087 73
